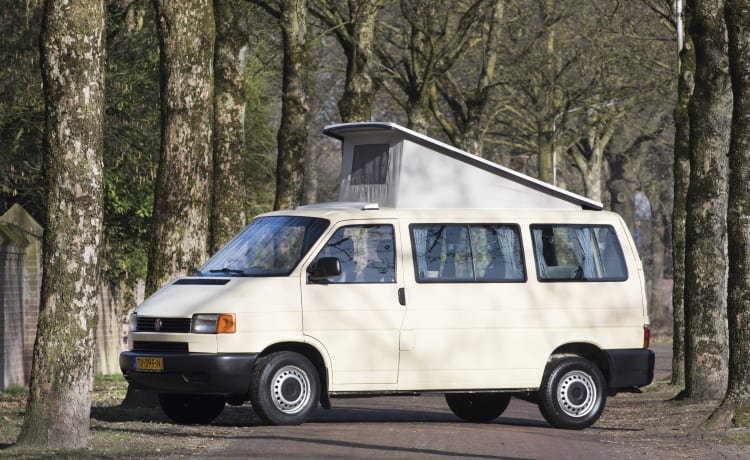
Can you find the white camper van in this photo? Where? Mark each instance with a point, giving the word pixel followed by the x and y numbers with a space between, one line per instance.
pixel 499 286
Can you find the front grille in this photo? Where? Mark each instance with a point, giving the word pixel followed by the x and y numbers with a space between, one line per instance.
pixel 160 347
pixel 149 324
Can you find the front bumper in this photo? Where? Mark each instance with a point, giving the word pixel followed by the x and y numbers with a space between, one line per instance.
pixel 194 373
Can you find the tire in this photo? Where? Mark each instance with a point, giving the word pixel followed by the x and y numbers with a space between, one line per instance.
pixel 285 388
pixel 573 394
pixel 477 407
pixel 191 409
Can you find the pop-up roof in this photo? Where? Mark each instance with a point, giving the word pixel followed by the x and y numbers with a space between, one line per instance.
pixel 396 167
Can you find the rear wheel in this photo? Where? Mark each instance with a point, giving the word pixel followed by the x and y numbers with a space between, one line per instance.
pixel 191 409
pixel 477 407
pixel 573 394
pixel 285 388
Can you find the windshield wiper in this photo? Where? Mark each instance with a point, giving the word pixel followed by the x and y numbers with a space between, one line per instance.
pixel 228 271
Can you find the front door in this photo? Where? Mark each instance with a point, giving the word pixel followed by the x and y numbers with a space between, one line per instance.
pixel 357 315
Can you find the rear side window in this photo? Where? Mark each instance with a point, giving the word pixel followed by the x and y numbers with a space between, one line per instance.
pixel 467 253
pixel 577 252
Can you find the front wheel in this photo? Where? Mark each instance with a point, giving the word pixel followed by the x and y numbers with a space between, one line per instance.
pixel 477 407
pixel 573 394
pixel 191 409
pixel 284 389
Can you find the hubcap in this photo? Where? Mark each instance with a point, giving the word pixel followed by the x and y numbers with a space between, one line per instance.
pixel 290 389
pixel 577 395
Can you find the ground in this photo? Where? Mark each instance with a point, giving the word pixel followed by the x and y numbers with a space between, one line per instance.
pixel 642 425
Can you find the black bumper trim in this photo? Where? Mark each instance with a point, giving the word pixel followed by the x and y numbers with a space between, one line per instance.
pixel 196 373
pixel 630 368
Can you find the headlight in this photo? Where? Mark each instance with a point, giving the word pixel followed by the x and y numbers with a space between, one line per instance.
pixel 213 323
pixel 133 322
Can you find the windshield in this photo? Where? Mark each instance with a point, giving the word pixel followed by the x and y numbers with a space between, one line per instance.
pixel 269 246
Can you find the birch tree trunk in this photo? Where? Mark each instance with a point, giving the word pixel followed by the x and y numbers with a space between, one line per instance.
pixel 183 185
pixel 59 404
pixel 735 408
pixel 705 236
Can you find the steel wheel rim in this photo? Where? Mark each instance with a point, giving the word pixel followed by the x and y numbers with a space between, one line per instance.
pixel 577 394
pixel 290 389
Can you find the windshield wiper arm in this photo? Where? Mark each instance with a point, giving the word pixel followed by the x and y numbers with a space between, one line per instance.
pixel 228 271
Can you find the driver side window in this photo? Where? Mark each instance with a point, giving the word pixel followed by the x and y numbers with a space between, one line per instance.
pixel 366 254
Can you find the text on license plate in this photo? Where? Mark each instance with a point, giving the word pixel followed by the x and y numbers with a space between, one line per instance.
pixel 149 363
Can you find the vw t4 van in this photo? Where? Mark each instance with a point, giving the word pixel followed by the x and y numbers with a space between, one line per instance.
pixel 499 286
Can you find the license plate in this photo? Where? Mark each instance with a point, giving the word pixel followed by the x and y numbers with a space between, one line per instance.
pixel 149 363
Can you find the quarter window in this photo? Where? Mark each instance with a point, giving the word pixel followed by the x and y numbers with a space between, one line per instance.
pixel 577 252
pixel 467 253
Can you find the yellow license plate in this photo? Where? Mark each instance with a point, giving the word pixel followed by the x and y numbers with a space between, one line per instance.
pixel 149 363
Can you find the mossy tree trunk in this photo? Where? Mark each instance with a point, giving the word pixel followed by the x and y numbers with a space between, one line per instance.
pixel 59 404
pixel 735 408
pixel 292 135
pixel 705 235
pixel 681 172
pixel 182 196
pixel 230 103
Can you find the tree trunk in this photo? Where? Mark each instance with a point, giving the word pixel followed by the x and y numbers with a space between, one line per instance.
pixel 681 171
pixel 232 47
pixel 735 408
pixel 359 90
pixel 705 235
pixel 292 135
pixel 183 185
pixel 546 151
pixel 59 404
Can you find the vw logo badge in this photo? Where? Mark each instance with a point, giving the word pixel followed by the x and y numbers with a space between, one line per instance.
pixel 157 324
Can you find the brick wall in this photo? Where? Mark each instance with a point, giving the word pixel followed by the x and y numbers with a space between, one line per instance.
pixel 20 286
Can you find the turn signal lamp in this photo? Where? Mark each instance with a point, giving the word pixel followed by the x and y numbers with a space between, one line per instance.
pixel 213 323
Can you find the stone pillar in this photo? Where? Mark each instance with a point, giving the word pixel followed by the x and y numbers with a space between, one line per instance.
pixel 20 284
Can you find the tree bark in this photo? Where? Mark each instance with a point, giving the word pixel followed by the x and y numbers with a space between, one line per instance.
pixel 73 51
pixel 292 135
pixel 359 90
pixel 735 408
pixel 183 185
pixel 232 47
pixel 705 236
pixel 466 124
pixel 681 171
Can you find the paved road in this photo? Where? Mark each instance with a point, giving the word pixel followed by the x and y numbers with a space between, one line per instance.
pixel 417 427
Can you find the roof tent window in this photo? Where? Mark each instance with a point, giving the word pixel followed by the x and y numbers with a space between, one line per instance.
pixel 370 164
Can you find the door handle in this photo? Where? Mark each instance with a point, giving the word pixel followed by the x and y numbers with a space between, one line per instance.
pixel 401 296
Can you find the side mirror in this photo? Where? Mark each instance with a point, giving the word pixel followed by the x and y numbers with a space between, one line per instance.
pixel 325 267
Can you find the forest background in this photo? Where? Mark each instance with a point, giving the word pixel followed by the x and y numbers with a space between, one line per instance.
pixel 591 82
pixel 220 104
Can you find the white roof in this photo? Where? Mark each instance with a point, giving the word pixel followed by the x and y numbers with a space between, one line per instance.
pixel 425 172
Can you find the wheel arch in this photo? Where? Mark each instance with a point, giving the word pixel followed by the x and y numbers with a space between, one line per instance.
pixel 585 350
pixel 315 357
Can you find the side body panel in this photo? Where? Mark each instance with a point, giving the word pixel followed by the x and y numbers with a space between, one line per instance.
pixel 483 335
